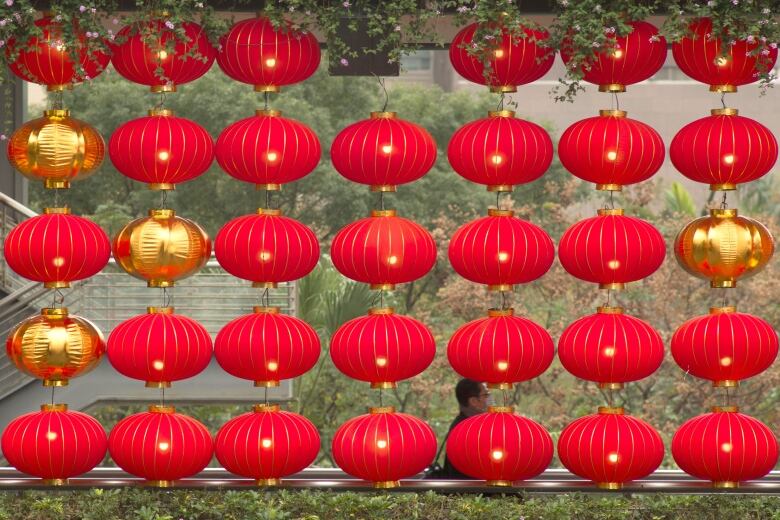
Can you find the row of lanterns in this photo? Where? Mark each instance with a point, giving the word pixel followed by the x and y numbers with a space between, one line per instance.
pixel 385 250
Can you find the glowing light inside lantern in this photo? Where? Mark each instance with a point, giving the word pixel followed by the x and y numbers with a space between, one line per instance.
pixel 58 261
pixel 725 361
pixel 266 443
pixel 59 46
pixel 381 444
pixel 392 260
pixel 726 447
pixel 162 55
pixel 609 351
pixel 270 62
pixel 503 256
pixel 728 158
pixel 163 155
pixel 381 361
pixel 271 156
pixel 611 155
pixel 617 54
pixel 387 148
pixel 163 446
pixel 497 454
pixel 613 264
pixel 502 365
pixel 499 53
pixel 272 366
pixel 264 256
pixel 613 458
pixel 496 159
pixel 722 61
pixel 51 436
pixel 158 365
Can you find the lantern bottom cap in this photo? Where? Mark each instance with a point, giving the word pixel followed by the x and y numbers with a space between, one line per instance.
pixel 609 187
pixel 500 386
pixel 725 484
pixel 612 87
pixel 387 484
pixel 168 87
pixel 724 186
pixel 266 384
pixel 384 188
pixel 160 283
pixel 497 89
pixel 269 186
pixel 384 385
pixel 723 88
pixel 55 382
pixel 56 184
pixel 611 386
pixel 157 384
pixel 609 485
pixel 726 383
pixel 615 286
pixel 161 186
pixel 723 284
pixel 56 285
pixel 498 483
pixel 268 482
pixel 382 286
pixel 268 88
pixel 493 188
pixel 54 481
pixel 502 287
pixel 159 483
pixel 264 285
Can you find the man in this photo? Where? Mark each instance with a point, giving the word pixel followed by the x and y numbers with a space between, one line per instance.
pixel 472 399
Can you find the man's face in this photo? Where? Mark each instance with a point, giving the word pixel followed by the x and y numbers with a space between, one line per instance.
pixel 480 402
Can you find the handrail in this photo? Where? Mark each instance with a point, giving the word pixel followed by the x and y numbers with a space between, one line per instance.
pixel 16 205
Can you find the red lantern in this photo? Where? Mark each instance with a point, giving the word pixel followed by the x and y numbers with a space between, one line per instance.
pixel 384 446
pixel 144 55
pixel 267 248
pixel 267 444
pixel 383 250
pixel 725 447
pixel 267 346
pixel 255 52
pixel 382 348
pixel 515 61
pixel 701 58
pixel 383 151
pixel 45 60
pixel 725 346
pixel 160 445
pixel 161 150
pixel 610 348
pixel 268 150
pixel 501 349
pixel 159 347
pixel 500 250
pixel 610 448
pixel 634 58
pixel 611 150
pixel 500 151
pixel 54 444
pixel 611 249
pixel 724 149
pixel 57 248
pixel 499 447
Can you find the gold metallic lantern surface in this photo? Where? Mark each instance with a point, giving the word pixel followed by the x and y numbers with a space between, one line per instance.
pixel 56 149
pixel 723 247
pixel 161 248
pixel 55 346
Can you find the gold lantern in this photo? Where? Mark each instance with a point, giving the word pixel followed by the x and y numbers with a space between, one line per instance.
pixel 162 248
pixel 723 247
pixel 56 149
pixel 55 346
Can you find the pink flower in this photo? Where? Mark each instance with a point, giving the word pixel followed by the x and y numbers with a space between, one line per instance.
pixel 346 4
pixel 344 62
pixel 3 137
pixel 169 24
pixel 115 21
pixel 750 39
pixel 81 8
pixel 9 3
pixel 2 43
pixel 773 45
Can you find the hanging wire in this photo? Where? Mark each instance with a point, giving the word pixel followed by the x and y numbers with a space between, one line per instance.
pixel 382 298
pixel 609 295
pixel 268 199
pixel 380 397
pixel 501 102
pixel 58 298
pixel 52 395
pixel 723 98
pixel 163 198
pixel 504 305
pixel 384 89
pixel 616 99
pixel 162 396
pixel 723 203
pixel 506 397
pixel 498 200
pixel 265 394
pixel 265 299
pixel 266 94
pixel 610 397
pixel 611 199
pixel 161 103
pixel 382 200
pixel 728 397
pixel 56 198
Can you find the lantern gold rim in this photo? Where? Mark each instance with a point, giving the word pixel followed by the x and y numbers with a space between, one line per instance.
pixel 269 186
pixel 378 311
pixel 609 187
pixel 58 407
pixel 501 409
pixel 376 410
pixel 610 212
pixel 383 115
pixel 159 408
pixel 260 309
pixel 495 212
pixel 270 383
pixel 500 188
pixel 611 112
pixel 271 212
pixel 159 310
pixel 725 409
pixel 383 385
pixel 268 482
pixel 500 386
pixel 268 112
pixel 612 87
pixel 383 188
pixel 501 113
pixel 607 309
pixel 377 213
pixel 611 410
pixel 264 408
pixel 496 313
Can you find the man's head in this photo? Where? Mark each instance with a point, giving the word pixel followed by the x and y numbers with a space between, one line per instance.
pixel 472 396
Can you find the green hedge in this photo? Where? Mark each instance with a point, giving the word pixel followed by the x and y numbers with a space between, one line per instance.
pixel 150 504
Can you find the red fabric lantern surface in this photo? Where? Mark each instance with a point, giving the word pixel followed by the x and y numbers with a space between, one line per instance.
pixel 382 348
pixel 500 151
pixel 724 149
pixel 267 444
pixel 499 447
pixel 383 151
pixel 254 52
pixel 725 346
pixel 268 150
pixel 500 250
pixel 159 347
pixel 45 60
pixel 501 349
pixel 725 447
pixel 161 150
pixel 610 348
pixel 515 60
pixel 611 249
pixel 266 248
pixel 611 150
pixel 383 250
pixel 54 444
pixel 635 57
pixel 143 56
pixel 384 446
pixel 266 347
pixel 57 248
pixel 160 445
pixel 610 448
pixel 700 58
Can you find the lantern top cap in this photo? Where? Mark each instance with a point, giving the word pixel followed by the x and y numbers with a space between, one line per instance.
pixel 55 312
pixel 271 212
pixel 59 112
pixel 384 115
pixel 376 410
pixel 725 409
pixel 612 113
pixel 606 309
pixel 268 113
pixel 724 213
pixel 728 309
pixel 56 211
pixel 497 313
pixel 501 113
pixel 724 112
pixel 159 310
pixel 382 212
pixel 157 408
pixel 162 213
pixel 501 409
pixel 611 410
pixel 494 212
pixel 377 311
pixel 258 309
pixel 604 212
pixel 59 407
pixel 263 408
pixel 165 112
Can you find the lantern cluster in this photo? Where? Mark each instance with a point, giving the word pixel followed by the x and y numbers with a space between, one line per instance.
pixel 267 248
pixel 612 348
pixel 383 250
pixel 56 249
pixel 725 346
pixel 501 251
